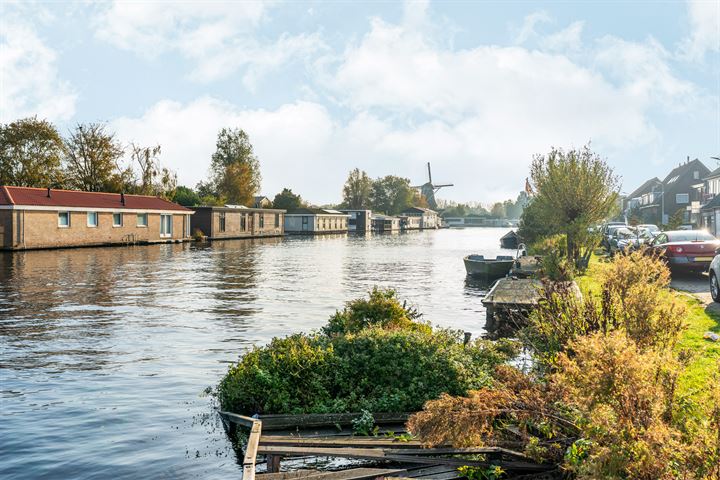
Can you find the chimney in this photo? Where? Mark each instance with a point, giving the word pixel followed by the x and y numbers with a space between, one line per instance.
pixel 122 198
pixel 48 193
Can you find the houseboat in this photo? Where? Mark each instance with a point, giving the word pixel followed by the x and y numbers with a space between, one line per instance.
pixel 385 223
pixel 236 221
pixel 311 221
pixel 359 221
pixel 32 218
pixel 428 218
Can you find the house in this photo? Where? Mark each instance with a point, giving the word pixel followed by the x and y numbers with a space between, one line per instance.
pixel 236 221
pixel 261 201
pixel 678 192
pixel 359 220
pixel 642 195
pixel 428 218
pixel 315 221
pixel 410 222
pixel 385 223
pixel 33 218
pixel 709 193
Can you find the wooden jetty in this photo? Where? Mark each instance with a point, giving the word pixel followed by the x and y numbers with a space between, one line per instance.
pixel 278 437
pixel 526 266
pixel 510 299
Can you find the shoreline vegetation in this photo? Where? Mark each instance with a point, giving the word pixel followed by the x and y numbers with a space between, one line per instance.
pixel 621 384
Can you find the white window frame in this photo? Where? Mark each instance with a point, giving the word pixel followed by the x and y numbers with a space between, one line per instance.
pixel 117 225
pixel 68 219
pixel 142 215
pixel 97 219
pixel 686 196
pixel 163 217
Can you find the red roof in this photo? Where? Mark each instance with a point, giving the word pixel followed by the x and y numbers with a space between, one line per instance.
pixel 38 197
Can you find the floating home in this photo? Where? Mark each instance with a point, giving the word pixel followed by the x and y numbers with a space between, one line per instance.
pixel 237 221
pixel 315 221
pixel 428 218
pixel 385 223
pixel 410 223
pixel 359 221
pixel 32 218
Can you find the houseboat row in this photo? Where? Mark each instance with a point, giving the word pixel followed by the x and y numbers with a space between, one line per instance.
pixel 32 218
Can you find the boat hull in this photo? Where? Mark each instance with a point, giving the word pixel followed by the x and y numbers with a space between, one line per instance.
pixel 490 269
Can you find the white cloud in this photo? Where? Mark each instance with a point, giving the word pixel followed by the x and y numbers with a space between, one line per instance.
pixel 219 38
pixel 29 81
pixel 527 29
pixel 567 39
pixel 704 16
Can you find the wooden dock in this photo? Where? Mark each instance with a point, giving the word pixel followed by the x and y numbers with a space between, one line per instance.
pixel 384 456
pixel 526 267
pixel 509 303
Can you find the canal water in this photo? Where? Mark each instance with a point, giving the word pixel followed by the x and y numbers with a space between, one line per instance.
pixel 107 354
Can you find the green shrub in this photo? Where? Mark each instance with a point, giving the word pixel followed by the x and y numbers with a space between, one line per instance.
pixel 381 309
pixel 395 365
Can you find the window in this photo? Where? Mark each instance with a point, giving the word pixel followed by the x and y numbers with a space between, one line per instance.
pixel 682 198
pixel 222 221
pixel 166 225
pixel 63 219
pixel 262 220
pixel 277 220
pixel 117 219
pixel 92 219
pixel 142 220
pixel 696 175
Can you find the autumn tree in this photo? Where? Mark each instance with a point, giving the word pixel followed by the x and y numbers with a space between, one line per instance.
pixel 287 200
pixel 186 196
pixel 574 190
pixel 357 190
pixel 31 152
pixel 391 195
pixel 235 170
pixel 91 163
pixel 498 210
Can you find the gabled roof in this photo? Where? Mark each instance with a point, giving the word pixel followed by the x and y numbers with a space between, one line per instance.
pixel 419 210
pixel 38 197
pixel 644 188
pixel 683 168
pixel 714 174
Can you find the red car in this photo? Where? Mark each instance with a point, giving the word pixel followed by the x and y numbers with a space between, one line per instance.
pixel 686 249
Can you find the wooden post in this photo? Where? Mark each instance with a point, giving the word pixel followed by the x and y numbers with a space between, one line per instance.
pixel 273 463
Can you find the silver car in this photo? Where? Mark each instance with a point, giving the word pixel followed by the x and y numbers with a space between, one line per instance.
pixel 714 280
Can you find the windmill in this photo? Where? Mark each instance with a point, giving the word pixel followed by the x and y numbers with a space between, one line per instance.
pixel 429 189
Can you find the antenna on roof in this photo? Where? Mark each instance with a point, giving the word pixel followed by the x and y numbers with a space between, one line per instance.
pixel 122 198
pixel 48 194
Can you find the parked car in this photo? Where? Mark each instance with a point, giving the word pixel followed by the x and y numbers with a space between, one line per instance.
pixel 629 239
pixel 691 250
pixel 609 232
pixel 652 229
pixel 714 281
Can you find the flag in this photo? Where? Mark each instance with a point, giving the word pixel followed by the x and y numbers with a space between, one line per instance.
pixel 528 187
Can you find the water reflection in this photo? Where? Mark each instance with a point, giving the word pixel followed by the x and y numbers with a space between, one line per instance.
pixel 105 352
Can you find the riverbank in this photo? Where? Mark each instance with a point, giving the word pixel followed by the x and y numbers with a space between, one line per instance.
pixel 703 316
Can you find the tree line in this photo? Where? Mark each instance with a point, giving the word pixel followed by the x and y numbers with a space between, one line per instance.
pixel 91 158
pixel 390 194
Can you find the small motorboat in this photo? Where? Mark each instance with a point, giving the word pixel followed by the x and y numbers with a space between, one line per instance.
pixel 489 268
pixel 510 240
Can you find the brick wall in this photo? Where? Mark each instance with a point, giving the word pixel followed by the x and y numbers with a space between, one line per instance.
pixel 41 229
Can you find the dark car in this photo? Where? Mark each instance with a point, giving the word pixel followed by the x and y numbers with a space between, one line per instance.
pixel 686 249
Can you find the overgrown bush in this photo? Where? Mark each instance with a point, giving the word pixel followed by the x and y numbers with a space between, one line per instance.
pixel 381 309
pixel 633 298
pixel 372 356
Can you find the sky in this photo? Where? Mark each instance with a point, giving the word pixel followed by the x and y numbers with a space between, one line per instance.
pixel 476 88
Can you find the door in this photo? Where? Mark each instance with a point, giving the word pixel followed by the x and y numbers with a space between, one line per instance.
pixel 166 226
pixel 305 227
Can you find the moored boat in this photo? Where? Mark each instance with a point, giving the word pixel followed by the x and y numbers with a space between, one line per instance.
pixel 510 240
pixel 491 268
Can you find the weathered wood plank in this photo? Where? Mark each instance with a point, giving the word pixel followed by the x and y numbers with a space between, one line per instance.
pixel 351 474
pixel 316 420
pixel 238 419
pixel 379 454
pixel 371 442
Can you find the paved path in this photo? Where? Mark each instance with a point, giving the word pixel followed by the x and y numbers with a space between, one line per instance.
pixel 695 284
